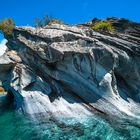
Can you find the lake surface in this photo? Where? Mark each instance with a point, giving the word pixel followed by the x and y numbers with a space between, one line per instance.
pixel 15 126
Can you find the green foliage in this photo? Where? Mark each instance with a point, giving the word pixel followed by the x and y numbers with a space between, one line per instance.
pixel 38 22
pixel 47 20
pixel 51 20
pixel 6 26
pixel 103 26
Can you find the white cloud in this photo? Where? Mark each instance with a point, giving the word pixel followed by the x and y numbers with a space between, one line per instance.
pixel 3 46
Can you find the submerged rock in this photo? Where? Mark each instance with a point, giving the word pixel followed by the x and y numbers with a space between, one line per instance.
pixel 72 71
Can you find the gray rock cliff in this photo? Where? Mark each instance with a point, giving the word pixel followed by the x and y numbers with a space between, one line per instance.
pixel 73 71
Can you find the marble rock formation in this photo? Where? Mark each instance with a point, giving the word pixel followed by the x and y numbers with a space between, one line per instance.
pixel 73 71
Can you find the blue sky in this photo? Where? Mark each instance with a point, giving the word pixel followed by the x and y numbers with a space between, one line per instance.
pixel 24 12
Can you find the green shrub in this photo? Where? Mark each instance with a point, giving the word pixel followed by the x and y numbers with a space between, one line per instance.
pixel 57 21
pixel 6 26
pixel 103 26
pixel 51 20
pixel 38 22
pixel 47 20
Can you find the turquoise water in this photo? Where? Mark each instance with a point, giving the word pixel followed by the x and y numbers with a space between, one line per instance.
pixel 14 126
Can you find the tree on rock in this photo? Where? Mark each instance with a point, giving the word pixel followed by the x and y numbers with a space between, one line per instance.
pixel 6 27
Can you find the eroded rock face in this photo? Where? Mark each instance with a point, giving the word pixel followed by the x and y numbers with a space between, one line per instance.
pixel 73 71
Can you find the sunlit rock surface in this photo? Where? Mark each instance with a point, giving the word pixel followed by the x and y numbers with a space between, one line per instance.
pixel 73 71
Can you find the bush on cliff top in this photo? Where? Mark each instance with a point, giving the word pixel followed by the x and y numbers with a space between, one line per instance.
pixel 103 26
pixel 47 20
pixel 38 22
pixel 6 26
pixel 51 20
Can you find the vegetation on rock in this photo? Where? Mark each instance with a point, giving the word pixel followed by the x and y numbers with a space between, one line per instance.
pixel 47 20
pixel 103 25
pixel 6 26
pixel 51 20
pixel 38 22
pixel 2 90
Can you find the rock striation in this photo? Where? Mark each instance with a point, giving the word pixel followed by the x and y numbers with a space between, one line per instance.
pixel 73 71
